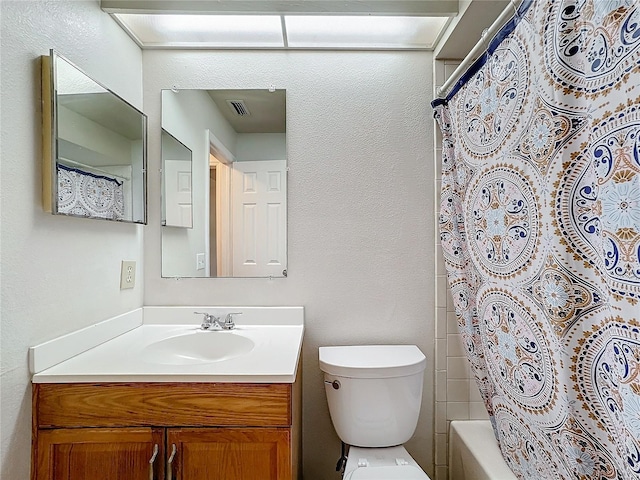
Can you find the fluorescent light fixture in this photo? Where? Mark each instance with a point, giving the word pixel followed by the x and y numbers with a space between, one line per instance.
pixel 358 32
pixel 363 32
pixel 199 31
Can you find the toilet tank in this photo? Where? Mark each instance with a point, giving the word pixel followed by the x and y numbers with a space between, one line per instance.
pixel 374 392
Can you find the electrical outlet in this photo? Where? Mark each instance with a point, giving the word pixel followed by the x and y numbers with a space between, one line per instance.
pixel 200 259
pixel 128 275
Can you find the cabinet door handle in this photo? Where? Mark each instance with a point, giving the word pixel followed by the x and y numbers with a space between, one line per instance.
pixel 170 462
pixel 152 461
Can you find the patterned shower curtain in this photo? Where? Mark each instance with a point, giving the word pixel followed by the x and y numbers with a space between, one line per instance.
pixel 86 194
pixel 540 229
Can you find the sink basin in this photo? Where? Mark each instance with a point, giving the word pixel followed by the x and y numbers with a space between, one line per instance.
pixel 197 347
pixel 165 344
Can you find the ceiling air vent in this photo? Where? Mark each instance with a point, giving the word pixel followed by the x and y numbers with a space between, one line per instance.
pixel 238 107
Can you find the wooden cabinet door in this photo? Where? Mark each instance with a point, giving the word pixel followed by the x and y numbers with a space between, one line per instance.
pixel 100 454
pixel 229 454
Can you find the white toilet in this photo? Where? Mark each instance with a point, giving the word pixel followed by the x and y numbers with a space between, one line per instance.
pixel 374 394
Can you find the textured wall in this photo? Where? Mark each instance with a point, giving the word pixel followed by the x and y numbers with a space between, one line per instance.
pixel 58 274
pixel 361 225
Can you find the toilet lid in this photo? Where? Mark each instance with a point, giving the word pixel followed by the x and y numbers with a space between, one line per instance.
pixel 400 472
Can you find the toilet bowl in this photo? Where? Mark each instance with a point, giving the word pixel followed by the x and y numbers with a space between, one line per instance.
pixel 374 394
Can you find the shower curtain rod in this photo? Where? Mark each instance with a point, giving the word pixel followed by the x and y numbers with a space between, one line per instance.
pixel 482 45
pixel 96 169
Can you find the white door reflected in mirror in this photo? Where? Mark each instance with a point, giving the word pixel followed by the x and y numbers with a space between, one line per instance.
pixel 259 217
pixel 238 183
pixel 177 195
pixel 178 190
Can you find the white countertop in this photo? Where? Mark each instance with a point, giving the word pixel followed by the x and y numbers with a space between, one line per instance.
pixel 273 359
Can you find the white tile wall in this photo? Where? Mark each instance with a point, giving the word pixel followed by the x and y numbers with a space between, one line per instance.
pixel 456 393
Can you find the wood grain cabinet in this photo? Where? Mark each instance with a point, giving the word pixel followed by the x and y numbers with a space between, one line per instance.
pixel 229 453
pixel 166 431
pixel 99 453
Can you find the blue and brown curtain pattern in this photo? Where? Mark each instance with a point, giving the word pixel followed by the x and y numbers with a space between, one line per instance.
pixel 540 229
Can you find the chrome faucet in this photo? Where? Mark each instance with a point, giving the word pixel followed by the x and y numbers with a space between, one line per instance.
pixel 229 324
pixel 209 321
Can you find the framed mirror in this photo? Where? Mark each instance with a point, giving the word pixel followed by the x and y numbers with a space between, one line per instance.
pixel 177 194
pixel 239 183
pixel 94 147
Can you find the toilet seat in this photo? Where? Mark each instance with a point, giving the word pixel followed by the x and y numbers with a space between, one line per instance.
pixel 390 463
pixel 399 472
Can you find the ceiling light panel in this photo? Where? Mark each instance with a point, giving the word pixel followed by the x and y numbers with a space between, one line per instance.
pixel 363 32
pixel 202 31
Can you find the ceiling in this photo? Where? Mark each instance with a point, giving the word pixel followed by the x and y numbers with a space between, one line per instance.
pixel 284 24
pixel 467 27
pixel 470 17
pixel 296 7
pixel 108 110
pixel 267 110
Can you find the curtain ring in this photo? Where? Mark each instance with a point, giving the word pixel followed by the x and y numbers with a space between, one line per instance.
pixel 483 37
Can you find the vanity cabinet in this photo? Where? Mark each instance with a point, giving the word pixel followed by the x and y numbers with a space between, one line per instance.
pixel 112 431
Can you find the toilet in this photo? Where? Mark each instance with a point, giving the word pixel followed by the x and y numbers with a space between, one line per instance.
pixel 374 394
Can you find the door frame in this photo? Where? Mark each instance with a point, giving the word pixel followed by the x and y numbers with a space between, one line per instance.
pixel 222 161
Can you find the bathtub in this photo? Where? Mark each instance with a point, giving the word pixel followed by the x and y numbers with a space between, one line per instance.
pixel 474 453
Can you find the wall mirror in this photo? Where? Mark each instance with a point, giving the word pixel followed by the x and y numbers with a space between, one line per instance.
pixel 238 183
pixel 177 197
pixel 94 147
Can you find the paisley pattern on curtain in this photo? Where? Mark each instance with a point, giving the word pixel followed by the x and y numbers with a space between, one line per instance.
pixel 88 195
pixel 540 229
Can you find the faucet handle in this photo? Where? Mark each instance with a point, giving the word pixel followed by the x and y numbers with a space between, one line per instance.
pixel 208 321
pixel 229 324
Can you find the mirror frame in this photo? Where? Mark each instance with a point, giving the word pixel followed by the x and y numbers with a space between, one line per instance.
pixel 50 139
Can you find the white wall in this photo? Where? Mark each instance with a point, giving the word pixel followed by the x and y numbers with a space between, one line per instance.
pixel 58 274
pixel 361 232
pixel 106 146
pixel 361 225
pixel 261 146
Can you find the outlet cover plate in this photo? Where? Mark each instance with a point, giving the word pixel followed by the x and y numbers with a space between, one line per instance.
pixel 128 275
pixel 200 259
